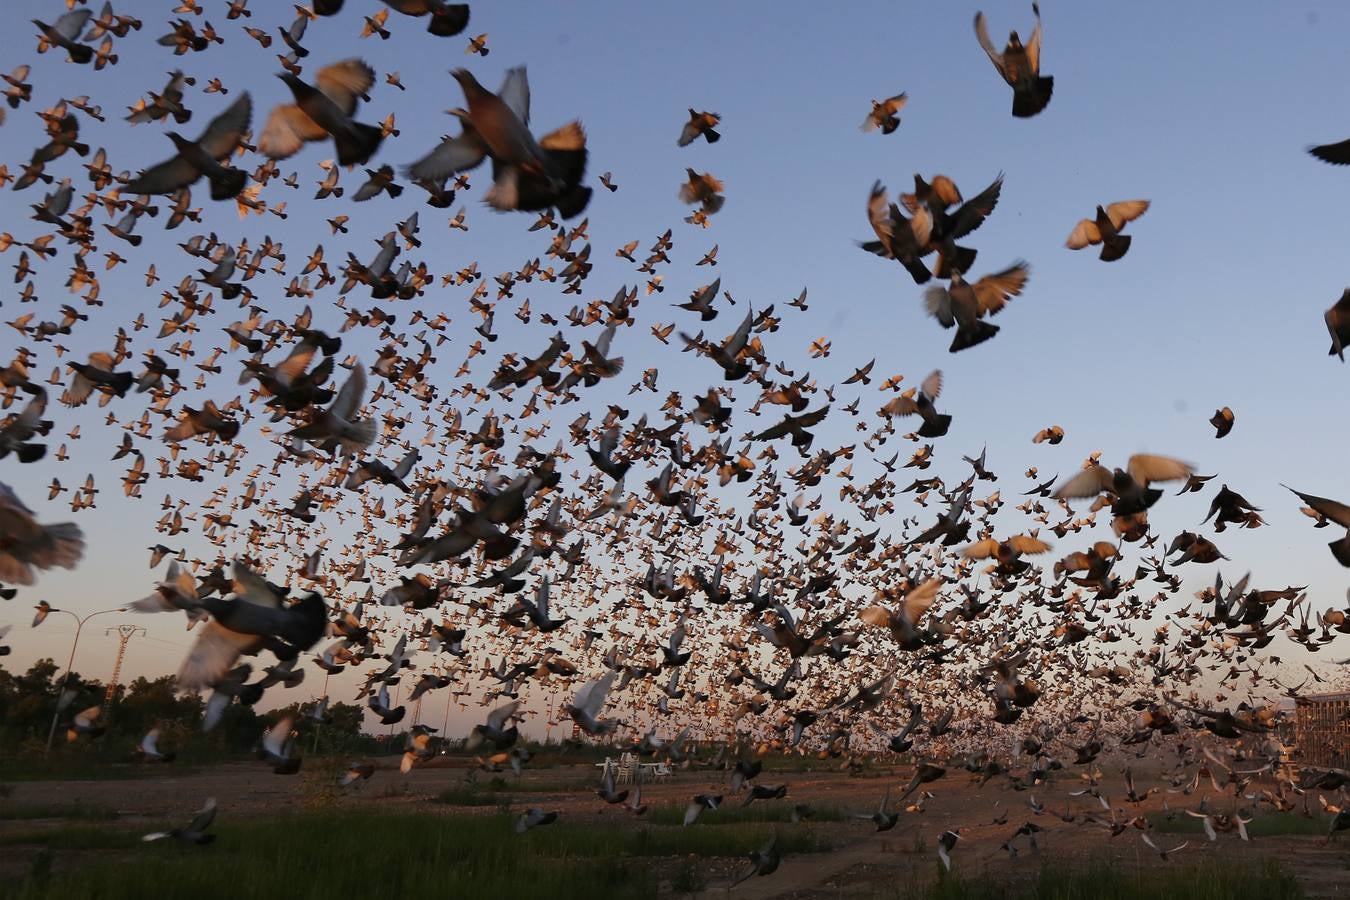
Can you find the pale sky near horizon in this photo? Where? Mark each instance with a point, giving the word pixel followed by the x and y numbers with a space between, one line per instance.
pixel 1206 110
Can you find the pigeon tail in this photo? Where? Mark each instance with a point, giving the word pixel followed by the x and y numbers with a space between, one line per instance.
pixel 1030 99
pixel 1114 248
pixel 358 144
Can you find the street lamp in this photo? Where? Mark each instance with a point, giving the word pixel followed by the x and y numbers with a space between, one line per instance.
pixel 79 626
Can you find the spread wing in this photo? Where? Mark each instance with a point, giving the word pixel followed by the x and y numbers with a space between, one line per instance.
pixel 1145 468
pixel 499 716
pixel 903 405
pixel 204 817
pixel 917 601
pixel 932 385
pixel 1033 44
pixel 1088 483
pixel 1084 233
pixel 876 615
pixel 294 365
pixel 1124 211
pixel 452 155
pixel 346 82
pixel 981 549
pixel 286 131
pixel 349 398
pixel 515 93
pixel 973 212
pixel 945 190
pixel 993 291
pixel 164 178
pixel 879 217
pixel 212 655
pixel 982 35
pixel 223 134
pixel 1331 509
pixel 1025 543
pixel 938 304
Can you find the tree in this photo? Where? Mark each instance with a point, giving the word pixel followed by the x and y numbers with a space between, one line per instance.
pixel 147 703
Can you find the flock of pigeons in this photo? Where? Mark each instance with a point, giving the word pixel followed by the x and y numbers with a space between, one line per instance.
pixel 670 566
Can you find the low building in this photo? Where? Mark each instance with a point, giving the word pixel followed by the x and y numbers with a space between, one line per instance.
pixel 1322 730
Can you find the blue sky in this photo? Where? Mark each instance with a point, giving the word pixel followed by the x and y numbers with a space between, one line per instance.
pixel 1204 112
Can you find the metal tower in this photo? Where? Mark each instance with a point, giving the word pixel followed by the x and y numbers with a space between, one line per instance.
pixel 124 635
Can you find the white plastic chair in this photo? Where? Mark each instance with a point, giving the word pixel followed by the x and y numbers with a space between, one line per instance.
pixel 625 771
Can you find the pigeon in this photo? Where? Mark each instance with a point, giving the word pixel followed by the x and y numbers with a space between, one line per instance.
pixel 883 114
pixel 196 831
pixel 700 124
pixel 588 702
pixel 1331 510
pixel 1020 66
pixel 1338 325
pixel 148 750
pixel 1222 420
pixel 324 110
pixel 965 304
pixel 534 817
pixel 1105 229
pixel 763 861
pixel 946 842
pixel 935 424
pixel 527 174
pixel 65 33
pixel 202 157
pixel 26 545
pixel 356 772
pixel 699 803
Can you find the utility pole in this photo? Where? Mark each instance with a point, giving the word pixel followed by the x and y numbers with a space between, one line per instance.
pixel 318 724
pixel 397 687
pixel 79 626
pixel 124 635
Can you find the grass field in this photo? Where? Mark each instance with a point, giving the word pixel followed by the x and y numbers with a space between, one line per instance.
pixel 326 853
pixel 449 832
pixel 1264 824
pixel 91 812
pixel 320 854
pixel 1205 881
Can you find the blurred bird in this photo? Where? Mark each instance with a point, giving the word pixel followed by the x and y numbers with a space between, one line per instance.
pixel 324 110
pixel 883 114
pixel 196 830
pixel 1105 229
pixel 700 123
pixel 1020 66
pixel 202 157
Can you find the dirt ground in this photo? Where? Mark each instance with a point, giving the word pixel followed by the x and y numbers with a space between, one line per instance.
pixel 862 864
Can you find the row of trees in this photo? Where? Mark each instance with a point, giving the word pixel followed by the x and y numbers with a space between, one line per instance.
pixel 28 700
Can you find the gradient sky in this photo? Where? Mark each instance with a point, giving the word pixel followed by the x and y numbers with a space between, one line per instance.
pixel 1204 110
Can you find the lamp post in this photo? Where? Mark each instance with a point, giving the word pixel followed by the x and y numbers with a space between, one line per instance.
pixel 79 626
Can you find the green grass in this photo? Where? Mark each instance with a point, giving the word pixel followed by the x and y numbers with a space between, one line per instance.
pixel 325 853
pixel 466 795
pixel 1205 881
pixel 75 837
pixel 498 790
pixel 1264 825
pixel 89 812
pixel 512 785
pixel 88 770
pixel 732 813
